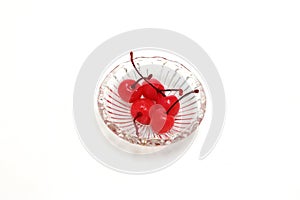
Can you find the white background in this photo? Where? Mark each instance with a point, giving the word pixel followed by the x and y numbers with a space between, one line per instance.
pixel 255 46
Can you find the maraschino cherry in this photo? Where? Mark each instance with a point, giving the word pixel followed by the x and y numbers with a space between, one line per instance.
pixel 167 102
pixel 160 122
pixel 141 106
pixel 162 115
pixel 129 90
pixel 151 93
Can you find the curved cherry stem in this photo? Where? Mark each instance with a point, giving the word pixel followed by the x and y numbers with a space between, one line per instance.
pixel 191 92
pixel 139 114
pixel 180 91
pixel 148 78
pixel 131 59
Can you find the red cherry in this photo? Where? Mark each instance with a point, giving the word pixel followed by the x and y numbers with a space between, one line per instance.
pixel 136 95
pixel 143 106
pixel 127 88
pixel 160 122
pixel 174 108
pixel 167 102
pixel 162 114
pixel 152 93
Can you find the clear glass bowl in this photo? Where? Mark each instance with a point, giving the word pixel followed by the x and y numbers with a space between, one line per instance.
pixel 173 72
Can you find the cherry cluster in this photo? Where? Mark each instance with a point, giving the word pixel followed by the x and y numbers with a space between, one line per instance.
pixel 150 105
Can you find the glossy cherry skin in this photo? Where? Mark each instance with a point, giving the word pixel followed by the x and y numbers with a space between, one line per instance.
pixel 149 92
pixel 136 94
pixel 160 122
pixel 167 102
pixel 127 93
pixel 143 106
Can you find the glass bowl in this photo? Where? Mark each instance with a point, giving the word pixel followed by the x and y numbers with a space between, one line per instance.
pixel 173 71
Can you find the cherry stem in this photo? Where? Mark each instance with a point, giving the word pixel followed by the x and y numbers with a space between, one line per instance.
pixel 191 92
pixel 148 78
pixel 139 114
pixel 131 59
pixel 180 91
